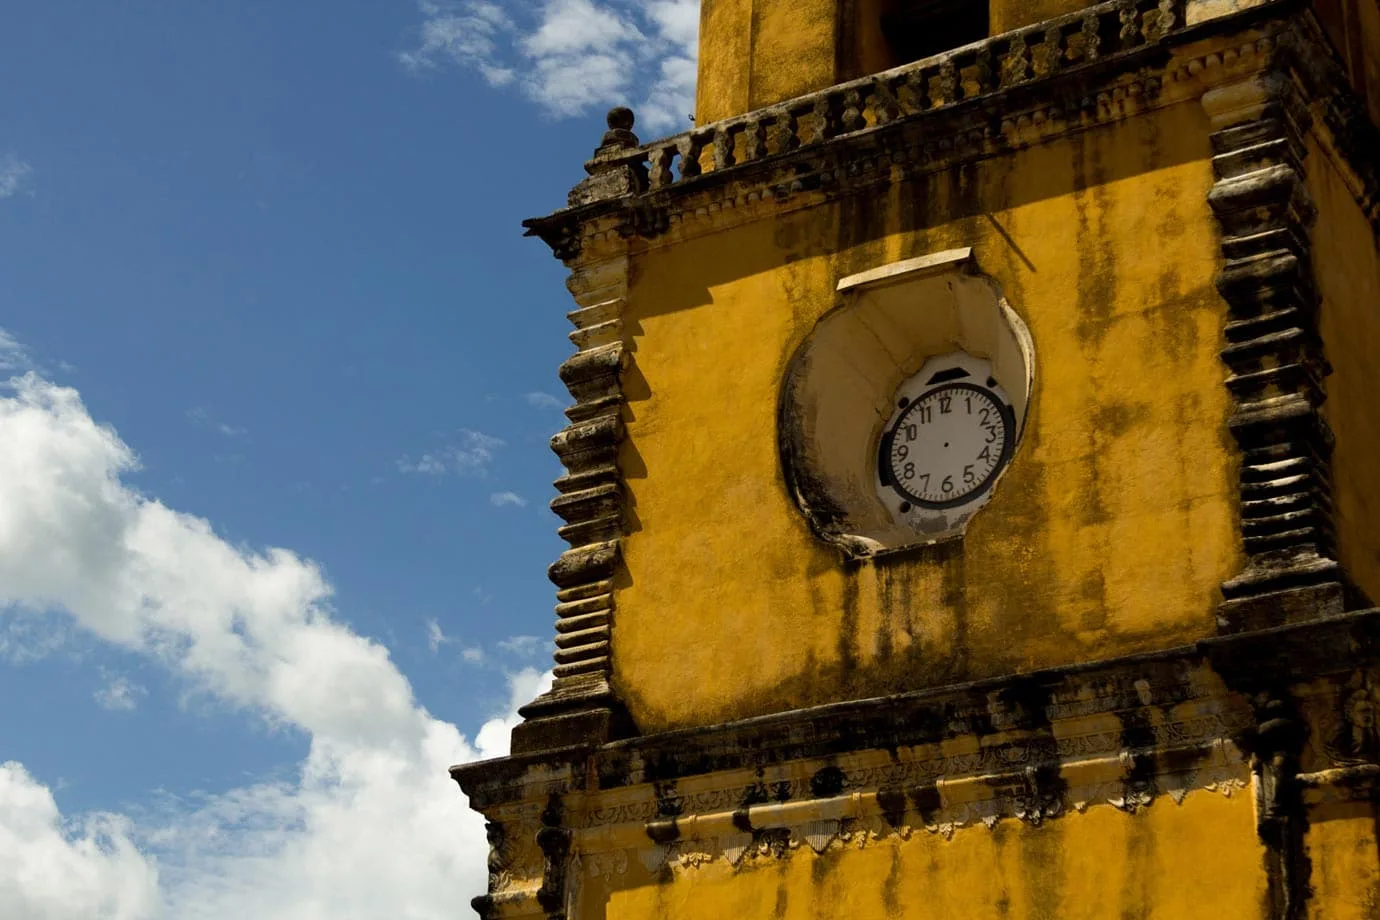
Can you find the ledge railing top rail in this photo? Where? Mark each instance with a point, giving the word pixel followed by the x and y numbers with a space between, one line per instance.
pixel 983 68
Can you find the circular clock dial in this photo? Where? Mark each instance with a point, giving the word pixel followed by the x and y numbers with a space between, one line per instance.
pixel 948 445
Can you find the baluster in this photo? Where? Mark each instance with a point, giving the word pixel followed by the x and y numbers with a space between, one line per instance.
pixel 1159 21
pixel 852 117
pixel 754 141
pixel 723 148
pixel 1015 64
pixel 982 72
pixel 884 102
pixel 1089 37
pixel 690 147
pixel 944 84
pixel 1129 17
pixel 822 120
pixel 661 166
pixel 786 128
pixel 912 97
pixel 1049 54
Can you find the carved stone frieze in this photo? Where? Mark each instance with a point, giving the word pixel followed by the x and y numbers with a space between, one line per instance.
pixel 1229 713
pixel 861 819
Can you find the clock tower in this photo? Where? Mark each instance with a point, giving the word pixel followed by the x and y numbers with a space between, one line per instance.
pixel 973 479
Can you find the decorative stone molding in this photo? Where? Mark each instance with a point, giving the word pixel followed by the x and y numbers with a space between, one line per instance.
pixel 581 705
pixel 778 160
pixel 1226 713
pixel 1274 354
pixel 1064 44
pixel 1087 68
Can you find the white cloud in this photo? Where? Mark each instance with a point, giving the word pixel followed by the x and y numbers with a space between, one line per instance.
pixel 526 685
pixel 28 637
pixel 539 400
pixel 429 464
pixel 15 176
pixel 200 416
pixel 14 357
pixel 524 646
pixel 67 870
pixel 571 56
pixel 499 499
pixel 435 638
pixel 119 693
pixel 369 826
pixel 470 455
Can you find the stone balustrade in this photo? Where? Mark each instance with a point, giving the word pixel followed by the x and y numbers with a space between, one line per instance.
pixel 971 72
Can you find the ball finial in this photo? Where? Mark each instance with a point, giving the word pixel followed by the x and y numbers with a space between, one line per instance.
pixel 620 118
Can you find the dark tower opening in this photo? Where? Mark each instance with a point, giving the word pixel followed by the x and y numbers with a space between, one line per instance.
pixel 917 29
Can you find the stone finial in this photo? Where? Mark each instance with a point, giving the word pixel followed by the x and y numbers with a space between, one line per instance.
pixel 619 136
pixel 612 173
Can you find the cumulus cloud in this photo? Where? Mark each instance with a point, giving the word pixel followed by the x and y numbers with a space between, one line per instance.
pixel 500 499
pixel 16 176
pixel 368 826
pixel 59 869
pixel 470 455
pixel 572 56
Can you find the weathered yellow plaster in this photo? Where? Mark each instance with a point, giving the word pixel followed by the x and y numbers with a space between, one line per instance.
pixel 1341 846
pixel 753 53
pixel 1013 14
pixel 1199 858
pixel 1111 530
pixel 1347 268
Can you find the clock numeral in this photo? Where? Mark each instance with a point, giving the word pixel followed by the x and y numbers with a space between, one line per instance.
pixel 991 433
pixel 924 482
pixel 926 414
pixel 985 455
pixel 983 415
pixel 968 476
pixel 902 451
pixel 944 402
pixel 910 432
pixel 908 471
pixel 948 484
pixel 968 401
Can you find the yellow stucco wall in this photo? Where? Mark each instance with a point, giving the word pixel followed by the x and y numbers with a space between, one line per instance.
pixel 1112 528
pixel 1345 876
pixel 1013 14
pixel 753 53
pixel 1197 859
pixel 1347 267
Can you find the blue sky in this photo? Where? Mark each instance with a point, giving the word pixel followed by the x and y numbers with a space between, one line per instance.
pixel 274 248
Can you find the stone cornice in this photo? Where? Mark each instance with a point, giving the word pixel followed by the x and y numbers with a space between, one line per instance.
pixel 1217 716
pixel 896 135
pixel 1019 710
pixel 857 134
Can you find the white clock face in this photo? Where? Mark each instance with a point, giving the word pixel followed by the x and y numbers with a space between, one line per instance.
pixel 947 446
